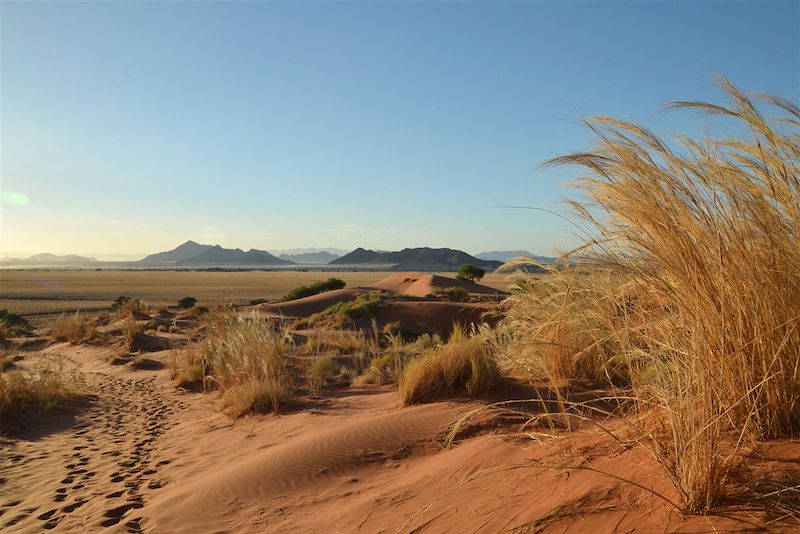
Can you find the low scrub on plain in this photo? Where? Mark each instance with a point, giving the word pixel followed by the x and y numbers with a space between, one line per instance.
pixel 463 366
pixel 688 287
pixel 314 289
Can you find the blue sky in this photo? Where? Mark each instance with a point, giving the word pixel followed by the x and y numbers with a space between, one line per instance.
pixel 128 128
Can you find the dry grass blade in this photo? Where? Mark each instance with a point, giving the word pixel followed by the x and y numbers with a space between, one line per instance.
pixel 688 289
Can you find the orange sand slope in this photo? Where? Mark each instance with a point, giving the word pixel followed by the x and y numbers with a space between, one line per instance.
pixel 141 456
pixel 422 284
pixel 308 305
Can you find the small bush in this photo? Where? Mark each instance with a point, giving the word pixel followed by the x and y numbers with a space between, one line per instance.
pixel 462 366
pixel 320 370
pixel 119 302
pixel 314 289
pixel 452 294
pixel 14 325
pixel 187 302
pixel 364 306
pixel 470 273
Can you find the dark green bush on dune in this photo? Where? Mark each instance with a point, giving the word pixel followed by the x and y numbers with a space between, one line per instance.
pixel 314 289
pixel 187 302
pixel 13 324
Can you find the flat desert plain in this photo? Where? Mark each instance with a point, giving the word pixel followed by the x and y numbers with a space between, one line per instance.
pixel 38 292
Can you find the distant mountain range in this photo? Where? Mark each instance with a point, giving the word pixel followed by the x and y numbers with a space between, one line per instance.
pixel 415 259
pixel 197 255
pixel 52 260
pixel 192 254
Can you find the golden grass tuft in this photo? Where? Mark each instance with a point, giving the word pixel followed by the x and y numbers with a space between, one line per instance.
pixel 75 328
pixel 29 393
pixel 319 370
pixel 462 366
pixel 688 287
pixel 247 359
pixel 132 333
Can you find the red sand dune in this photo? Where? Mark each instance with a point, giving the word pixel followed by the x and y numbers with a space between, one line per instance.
pixel 308 305
pixel 419 284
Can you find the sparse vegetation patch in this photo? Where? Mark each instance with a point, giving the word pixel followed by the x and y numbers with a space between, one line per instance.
pixel 314 289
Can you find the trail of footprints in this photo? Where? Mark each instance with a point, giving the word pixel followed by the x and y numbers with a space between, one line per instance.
pixel 113 438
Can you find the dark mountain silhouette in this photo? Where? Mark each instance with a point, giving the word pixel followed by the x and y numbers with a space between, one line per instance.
pixel 217 255
pixel 181 252
pixel 197 255
pixel 415 259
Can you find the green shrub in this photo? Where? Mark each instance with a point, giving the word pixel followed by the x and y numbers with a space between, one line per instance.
pixel 452 294
pixel 14 325
pixel 470 273
pixel 314 289
pixel 364 306
pixel 187 302
pixel 119 302
pixel 321 369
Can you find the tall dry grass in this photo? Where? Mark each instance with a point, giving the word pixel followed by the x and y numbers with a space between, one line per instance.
pixel 248 360
pixel 26 393
pixel 463 365
pixel 75 328
pixel 689 286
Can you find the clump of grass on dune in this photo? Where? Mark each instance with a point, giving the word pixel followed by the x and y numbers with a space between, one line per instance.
pixel 189 368
pixel 689 288
pixel 319 370
pixel 247 360
pixel 461 366
pixel 14 325
pixel 126 306
pixel 566 326
pixel 132 333
pixel 29 393
pixel 75 328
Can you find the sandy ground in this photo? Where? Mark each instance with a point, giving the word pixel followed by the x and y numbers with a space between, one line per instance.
pixel 139 455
